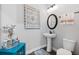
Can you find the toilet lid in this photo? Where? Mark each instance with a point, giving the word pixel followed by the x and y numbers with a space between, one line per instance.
pixel 62 51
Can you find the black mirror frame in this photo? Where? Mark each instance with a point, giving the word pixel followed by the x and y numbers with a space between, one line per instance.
pixel 48 21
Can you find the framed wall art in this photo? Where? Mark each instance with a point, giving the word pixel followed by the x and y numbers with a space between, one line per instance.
pixel 31 17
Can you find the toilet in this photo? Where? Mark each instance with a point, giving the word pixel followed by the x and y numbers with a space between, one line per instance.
pixel 68 47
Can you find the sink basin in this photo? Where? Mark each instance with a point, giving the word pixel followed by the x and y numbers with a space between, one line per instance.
pixel 49 35
pixel 49 40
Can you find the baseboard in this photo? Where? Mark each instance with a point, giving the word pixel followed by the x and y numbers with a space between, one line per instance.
pixel 32 50
pixel 55 49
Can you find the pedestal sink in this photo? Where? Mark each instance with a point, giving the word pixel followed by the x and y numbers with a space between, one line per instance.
pixel 49 42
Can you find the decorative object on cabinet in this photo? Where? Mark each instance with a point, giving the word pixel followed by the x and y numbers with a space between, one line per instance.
pixel 7 33
pixel 31 17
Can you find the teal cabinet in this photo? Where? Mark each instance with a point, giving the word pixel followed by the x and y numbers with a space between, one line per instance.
pixel 17 50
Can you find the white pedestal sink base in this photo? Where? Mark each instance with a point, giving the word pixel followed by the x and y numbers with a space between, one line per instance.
pixel 49 47
pixel 49 40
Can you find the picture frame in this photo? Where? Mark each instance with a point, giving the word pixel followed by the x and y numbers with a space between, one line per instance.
pixel 31 17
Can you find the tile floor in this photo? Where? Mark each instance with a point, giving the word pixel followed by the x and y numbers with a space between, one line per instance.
pixel 51 53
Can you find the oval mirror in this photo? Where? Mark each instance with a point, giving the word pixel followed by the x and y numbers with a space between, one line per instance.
pixel 52 21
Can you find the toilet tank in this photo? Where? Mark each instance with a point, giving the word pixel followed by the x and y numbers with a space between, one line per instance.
pixel 69 44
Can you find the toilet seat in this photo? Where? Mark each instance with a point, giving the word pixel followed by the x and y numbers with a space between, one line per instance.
pixel 62 51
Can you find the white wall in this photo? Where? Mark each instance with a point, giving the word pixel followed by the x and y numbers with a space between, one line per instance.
pixel 8 14
pixel 14 14
pixel 0 24
pixel 67 31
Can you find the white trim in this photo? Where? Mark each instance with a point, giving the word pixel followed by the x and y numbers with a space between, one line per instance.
pixel 30 51
pixel 55 49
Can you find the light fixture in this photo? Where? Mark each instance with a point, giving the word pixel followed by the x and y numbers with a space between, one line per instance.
pixel 52 8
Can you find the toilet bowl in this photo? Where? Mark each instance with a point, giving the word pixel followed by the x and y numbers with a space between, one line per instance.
pixel 68 47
